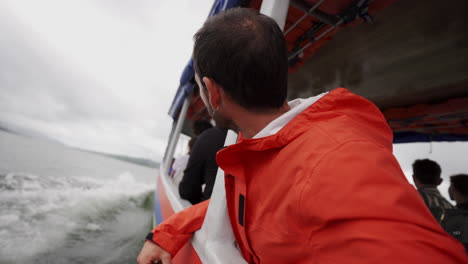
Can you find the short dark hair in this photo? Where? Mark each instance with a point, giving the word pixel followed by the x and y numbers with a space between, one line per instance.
pixel 200 125
pixel 460 183
pixel 427 171
pixel 245 52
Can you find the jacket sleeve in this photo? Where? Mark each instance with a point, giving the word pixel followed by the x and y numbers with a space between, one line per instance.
pixel 174 232
pixel 357 202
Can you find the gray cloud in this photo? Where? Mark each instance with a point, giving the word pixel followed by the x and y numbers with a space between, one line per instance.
pixel 44 91
pixel 95 74
pixel 38 83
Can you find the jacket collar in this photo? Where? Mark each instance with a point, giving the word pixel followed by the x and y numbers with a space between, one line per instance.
pixel 338 102
pixel 297 106
pixel 296 127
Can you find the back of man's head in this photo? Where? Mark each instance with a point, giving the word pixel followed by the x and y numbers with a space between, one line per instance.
pixel 427 172
pixel 245 53
pixel 460 183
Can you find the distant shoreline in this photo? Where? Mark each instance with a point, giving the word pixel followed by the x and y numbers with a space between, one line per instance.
pixel 134 160
pixel 139 161
pixel 8 130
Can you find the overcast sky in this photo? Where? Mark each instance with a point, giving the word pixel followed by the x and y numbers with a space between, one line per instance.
pixel 97 74
pixel 101 74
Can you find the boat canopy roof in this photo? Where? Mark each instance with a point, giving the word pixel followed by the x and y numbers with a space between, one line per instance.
pixel 401 58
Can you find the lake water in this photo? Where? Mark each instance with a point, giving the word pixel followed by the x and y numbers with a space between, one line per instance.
pixel 62 205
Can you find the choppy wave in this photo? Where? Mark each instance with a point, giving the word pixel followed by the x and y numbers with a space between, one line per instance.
pixel 62 219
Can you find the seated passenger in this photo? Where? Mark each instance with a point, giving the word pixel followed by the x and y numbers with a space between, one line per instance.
pixel 455 221
pixel 180 163
pixel 202 168
pixel 426 176
pixel 459 190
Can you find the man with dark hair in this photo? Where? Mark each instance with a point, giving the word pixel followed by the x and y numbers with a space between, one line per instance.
pixel 260 84
pixel 312 181
pixel 426 177
pixel 456 220
pixel 459 190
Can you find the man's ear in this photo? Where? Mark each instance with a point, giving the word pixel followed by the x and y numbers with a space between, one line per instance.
pixel 214 92
pixel 439 181
pixel 450 192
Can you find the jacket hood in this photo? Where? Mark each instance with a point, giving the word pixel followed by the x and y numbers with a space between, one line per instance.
pixel 340 102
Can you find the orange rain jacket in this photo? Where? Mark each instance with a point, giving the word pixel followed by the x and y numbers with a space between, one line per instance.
pixel 325 189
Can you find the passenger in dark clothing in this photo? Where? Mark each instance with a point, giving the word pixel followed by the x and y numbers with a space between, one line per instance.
pixel 202 168
pixel 459 190
pixel 456 220
pixel 426 176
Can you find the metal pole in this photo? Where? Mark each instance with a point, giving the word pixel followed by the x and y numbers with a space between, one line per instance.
pixel 317 38
pixel 176 134
pixel 171 136
pixel 276 9
pixel 304 16
pixel 326 18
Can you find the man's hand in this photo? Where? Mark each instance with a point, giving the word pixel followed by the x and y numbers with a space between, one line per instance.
pixel 151 253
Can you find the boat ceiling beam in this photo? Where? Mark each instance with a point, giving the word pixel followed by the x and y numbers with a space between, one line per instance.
pixel 316 13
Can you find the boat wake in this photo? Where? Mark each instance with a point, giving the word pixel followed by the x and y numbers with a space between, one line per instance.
pixel 74 220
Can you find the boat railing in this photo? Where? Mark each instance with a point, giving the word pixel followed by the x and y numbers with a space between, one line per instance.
pixel 214 242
